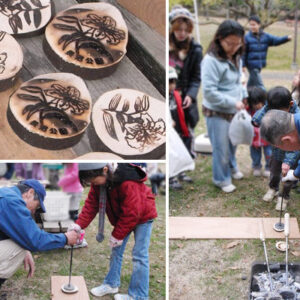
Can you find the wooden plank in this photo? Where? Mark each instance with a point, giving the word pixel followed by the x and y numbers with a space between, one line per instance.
pixel 152 12
pixel 226 228
pixel 58 281
pixel 51 226
pixel 36 63
pixel 65 224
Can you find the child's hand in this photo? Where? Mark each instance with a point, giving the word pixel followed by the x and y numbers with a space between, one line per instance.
pixel 290 176
pixel 187 102
pixel 284 169
pixel 113 242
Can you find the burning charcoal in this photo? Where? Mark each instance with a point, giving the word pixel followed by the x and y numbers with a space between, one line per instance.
pixel 297 278
pixel 297 285
pixel 244 277
pixel 275 267
pixel 259 294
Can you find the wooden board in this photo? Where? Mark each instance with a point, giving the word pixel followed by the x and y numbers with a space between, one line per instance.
pixel 128 75
pixel 152 12
pixel 51 226
pixel 65 224
pixel 58 294
pixel 226 228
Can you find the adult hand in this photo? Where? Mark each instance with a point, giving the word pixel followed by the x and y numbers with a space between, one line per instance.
pixel 113 242
pixel 284 169
pixel 186 102
pixel 72 237
pixel 75 227
pixel 290 176
pixel 29 264
pixel 239 105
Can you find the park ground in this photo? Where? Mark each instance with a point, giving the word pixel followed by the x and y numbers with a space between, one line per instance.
pixel 92 263
pixel 216 269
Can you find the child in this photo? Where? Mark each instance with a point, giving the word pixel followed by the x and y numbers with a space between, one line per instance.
pixel 70 184
pixel 281 161
pixel 256 100
pixel 179 124
pixel 130 207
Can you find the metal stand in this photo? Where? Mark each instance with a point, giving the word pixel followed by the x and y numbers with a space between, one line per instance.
pixel 69 288
pixel 279 227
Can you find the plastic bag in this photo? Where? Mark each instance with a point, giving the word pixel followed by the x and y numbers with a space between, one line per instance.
pixel 241 130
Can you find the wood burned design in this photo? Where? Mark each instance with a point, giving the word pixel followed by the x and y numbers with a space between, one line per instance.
pixel 18 11
pixel 139 128
pixel 3 55
pixel 87 33
pixel 56 102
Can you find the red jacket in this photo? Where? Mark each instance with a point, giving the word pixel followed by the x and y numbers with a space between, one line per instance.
pixel 128 204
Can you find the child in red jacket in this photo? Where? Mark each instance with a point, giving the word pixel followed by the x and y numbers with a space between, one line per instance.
pixel 130 207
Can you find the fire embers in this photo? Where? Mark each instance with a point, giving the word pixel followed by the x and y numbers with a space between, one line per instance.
pixel 261 290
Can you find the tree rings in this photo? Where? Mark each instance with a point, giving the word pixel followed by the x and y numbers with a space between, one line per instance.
pixel 87 39
pixel 50 111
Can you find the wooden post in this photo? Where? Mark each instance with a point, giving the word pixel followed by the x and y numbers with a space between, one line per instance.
pixel 294 63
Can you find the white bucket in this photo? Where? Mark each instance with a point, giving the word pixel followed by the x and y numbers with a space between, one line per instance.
pixel 57 206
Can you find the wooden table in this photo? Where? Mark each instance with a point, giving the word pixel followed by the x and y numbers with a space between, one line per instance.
pixel 143 68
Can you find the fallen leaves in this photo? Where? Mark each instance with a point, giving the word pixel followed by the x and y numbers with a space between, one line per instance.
pixel 296 253
pixel 231 245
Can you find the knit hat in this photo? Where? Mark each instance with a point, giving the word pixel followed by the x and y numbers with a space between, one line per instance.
pixel 38 188
pixel 91 166
pixel 180 12
pixel 172 73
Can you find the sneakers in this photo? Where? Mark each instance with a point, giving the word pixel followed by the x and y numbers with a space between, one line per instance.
pixel 270 195
pixel 228 188
pixel 266 173
pixel 256 172
pixel 183 177
pixel 174 184
pixel 237 175
pixel 123 297
pixel 284 203
pixel 104 289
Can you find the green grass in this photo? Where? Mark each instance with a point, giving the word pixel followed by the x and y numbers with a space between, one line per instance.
pixel 92 263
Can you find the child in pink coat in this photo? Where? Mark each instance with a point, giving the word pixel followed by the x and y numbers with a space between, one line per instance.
pixel 70 184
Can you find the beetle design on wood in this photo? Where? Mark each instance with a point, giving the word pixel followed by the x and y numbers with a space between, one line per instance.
pixel 139 128
pixel 56 102
pixel 88 33
pixel 19 10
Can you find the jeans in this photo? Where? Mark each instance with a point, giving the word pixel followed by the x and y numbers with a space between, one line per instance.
pixel 223 156
pixel 256 156
pixel 139 283
pixel 255 79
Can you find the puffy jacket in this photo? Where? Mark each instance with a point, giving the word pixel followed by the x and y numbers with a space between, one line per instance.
pixel 129 203
pixel 70 181
pixel 256 48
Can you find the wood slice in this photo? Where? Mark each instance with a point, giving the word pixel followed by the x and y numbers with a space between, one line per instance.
pixel 130 122
pixel 99 156
pixel 26 17
pixel 11 60
pixel 87 39
pixel 50 111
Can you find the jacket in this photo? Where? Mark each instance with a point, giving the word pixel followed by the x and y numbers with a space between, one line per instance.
pixel 288 157
pixel 189 81
pixel 221 84
pixel 17 224
pixel 70 181
pixel 256 48
pixel 129 203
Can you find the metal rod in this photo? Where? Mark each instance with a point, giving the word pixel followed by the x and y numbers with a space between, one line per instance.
pixel 268 267
pixel 294 63
pixel 71 265
pixel 281 209
pixel 286 261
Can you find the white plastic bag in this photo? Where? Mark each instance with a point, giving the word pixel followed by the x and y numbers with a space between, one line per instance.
pixel 180 159
pixel 241 130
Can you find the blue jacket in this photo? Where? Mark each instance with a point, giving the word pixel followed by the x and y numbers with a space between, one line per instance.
pixel 17 224
pixel 288 157
pixel 221 84
pixel 256 48
pixel 297 124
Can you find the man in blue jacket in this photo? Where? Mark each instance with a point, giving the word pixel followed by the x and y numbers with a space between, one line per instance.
pixel 282 129
pixel 257 43
pixel 19 234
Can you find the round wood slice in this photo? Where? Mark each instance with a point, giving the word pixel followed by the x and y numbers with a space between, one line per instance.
pixel 50 111
pixel 11 60
pixel 26 17
pixel 99 156
pixel 130 122
pixel 87 39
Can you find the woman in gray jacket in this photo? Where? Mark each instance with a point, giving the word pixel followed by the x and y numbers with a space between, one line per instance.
pixel 222 97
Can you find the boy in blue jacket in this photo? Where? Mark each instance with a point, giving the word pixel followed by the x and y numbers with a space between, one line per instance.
pixel 19 234
pixel 257 43
pixel 281 161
